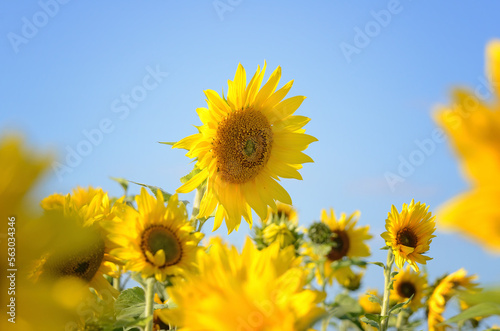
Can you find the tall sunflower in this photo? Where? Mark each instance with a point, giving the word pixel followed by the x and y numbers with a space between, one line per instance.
pixel 408 283
pixel 448 287
pixel 474 129
pixel 246 142
pixel 254 290
pixel 409 233
pixel 89 258
pixel 345 240
pixel 154 239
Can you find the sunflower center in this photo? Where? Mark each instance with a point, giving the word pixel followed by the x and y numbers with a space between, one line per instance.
pixel 242 145
pixel 406 289
pixel 81 263
pixel 159 237
pixel 340 245
pixel 407 238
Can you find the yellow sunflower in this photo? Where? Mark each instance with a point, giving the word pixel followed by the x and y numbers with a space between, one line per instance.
pixel 474 128
pixel 246 142
pixel 370 307
pixel 154 239
pixel 283 212
pixel 409 233
pixel 254 290
pixel 89 258
pixel 443 292
pixel 21 168
pixel 347 240
pixel 408 283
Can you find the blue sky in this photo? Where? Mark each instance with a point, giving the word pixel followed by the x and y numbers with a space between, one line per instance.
pixel 108 80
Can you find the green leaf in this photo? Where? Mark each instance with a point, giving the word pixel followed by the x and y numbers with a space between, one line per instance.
pixel 170 143
pixel 345 304
pixel 155 190
pixel 371 320
pixel 122 181
pixel 128 302
pixel 479 310
pixel 400 305
pixel 190 175
pixel 374 298
pixel 385 248
pixel 380 264
pixel 394 273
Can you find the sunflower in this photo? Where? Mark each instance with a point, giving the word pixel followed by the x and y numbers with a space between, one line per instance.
pixel 21 168
pixel 257 290
pixel 246 142
pixel 283 212
pixel 345 240
pixel 408 283
pixel 409 233
pixel 443 292
pixel 370 307
pixel 88 258
pixel 280 226
pixel 474 128
pixel 154 239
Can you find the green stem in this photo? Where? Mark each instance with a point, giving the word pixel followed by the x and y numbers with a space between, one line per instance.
pixel 150 292
pixel 387 290
pixel 196 208
pixel 116 283
pixel 402 319
pixel 326 320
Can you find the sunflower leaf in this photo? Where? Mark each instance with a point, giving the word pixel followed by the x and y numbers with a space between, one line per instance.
pixel 170 143
pixel 380 264
pixel 479 310
pixel 397 307
pixel 128 303
pixel 190 175
pixel 375 299
pixel 123 183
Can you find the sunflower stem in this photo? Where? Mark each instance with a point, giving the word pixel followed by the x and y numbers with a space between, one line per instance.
pixel 116 283
pixel 387 290
pixel 196 208
pixel 402 319
pixel 326 320
pixel 150 292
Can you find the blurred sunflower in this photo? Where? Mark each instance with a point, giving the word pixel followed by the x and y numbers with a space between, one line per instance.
pixel 21 168
pixel 448 287
pixel 89 258
pixel 281 225
pixel 154 239
pixel 246 142
pixel 370 307
pixel 344 239
pixel 408 283
pixel 257 289
pixel 474 128
pixel 409 233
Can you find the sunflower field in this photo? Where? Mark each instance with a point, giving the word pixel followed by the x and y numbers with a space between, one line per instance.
pixel 152 257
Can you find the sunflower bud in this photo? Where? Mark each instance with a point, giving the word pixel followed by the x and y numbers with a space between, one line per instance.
pixel 319 233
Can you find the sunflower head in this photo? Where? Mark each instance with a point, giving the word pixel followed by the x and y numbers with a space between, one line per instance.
pixel 86 256
pixel 410 233
pixel 21 168
pixel 154 239
pixel 407 284
pixel 254 290
pixel 345 240
pixel 245 143
pixel 445 289
pixel 370 307
pixel 474 125
pixel 280 226
pixel 353 281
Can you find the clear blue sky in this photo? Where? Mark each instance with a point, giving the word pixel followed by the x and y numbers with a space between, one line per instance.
pixel 67 69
